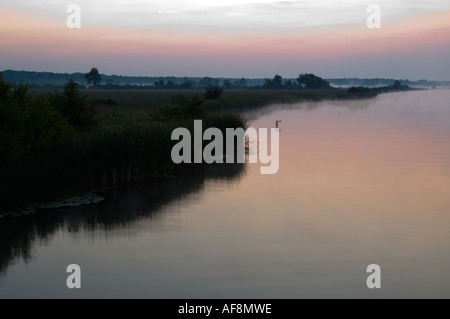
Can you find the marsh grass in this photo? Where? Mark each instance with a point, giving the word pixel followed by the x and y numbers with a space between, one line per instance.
pixel 138 102
pixel 244 100
pixel 105 157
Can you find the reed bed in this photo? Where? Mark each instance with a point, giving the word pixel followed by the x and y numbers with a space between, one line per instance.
pixel 104 157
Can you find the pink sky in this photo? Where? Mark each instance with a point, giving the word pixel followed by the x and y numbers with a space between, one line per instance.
pixel 415 46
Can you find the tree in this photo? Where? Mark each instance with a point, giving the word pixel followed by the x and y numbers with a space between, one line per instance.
pixel 275 83
pixel 227 84
pixel 213 92
pixel 311 81
pixel 289 84
pixel 160 83
pixel 397 85
pixel 30 125
pixel 206 81
pixel 240 83
pixel 4 89
pixel 74 106
pixel 93 77
pixel 187 84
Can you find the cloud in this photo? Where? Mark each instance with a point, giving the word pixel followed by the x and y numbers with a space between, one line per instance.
pixel 228 14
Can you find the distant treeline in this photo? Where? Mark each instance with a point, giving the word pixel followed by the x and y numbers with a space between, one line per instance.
pixel 366 91
pixel 51 80
pixel 380 82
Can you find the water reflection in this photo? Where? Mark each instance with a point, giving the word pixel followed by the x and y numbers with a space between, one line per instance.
pixel 360 182
pixel 122 208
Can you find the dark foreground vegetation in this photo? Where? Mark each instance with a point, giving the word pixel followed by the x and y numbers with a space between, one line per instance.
pixel 53 144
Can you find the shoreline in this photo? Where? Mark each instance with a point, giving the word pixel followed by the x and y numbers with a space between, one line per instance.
pixel 114 154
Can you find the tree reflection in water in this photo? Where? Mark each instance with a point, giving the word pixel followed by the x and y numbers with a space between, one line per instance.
pixel 123 207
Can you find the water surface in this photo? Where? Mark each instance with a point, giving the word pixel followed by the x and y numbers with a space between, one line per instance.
pixel 360 183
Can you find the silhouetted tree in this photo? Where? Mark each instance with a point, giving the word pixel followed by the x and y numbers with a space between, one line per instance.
pixel 278 81
pixel 30 125
pixel 213 92
pixel 4 89
pixel 397 86
pixel 187 84
pixel 268 84
pixel 171 84
pixel 74 106
pixel 241 83
pixel 160 83
pixel 93 76
pixel 206 82
pixel 311 81
pixel 227 84
pixel 275 83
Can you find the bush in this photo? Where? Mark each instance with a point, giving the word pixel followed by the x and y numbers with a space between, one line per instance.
pixel 183 107
pixel 311 81
pixel 74 106
pixel 213 92
pixel 5 90
pixel 29 124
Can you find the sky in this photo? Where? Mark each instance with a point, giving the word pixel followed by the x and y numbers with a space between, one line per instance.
pixel 229 38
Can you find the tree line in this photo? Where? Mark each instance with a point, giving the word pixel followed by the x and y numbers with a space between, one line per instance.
pixel 304 81
pixel 94 78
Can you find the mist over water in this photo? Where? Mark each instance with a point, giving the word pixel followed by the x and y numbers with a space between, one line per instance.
pixel 360 182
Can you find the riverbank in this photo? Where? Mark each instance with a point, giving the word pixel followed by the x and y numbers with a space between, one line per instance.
pixel 55 144
pixel 130 141
pixel 116 106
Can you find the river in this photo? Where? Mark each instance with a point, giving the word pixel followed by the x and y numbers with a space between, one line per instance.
pixel 359 183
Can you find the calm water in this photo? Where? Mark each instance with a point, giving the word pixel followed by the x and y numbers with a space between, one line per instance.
pixel 360 183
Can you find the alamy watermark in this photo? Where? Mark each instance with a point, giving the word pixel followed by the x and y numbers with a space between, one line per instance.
pixel 374 19
pixel 73 21
pixel 374 280
pixel 255 142
pixel 74 279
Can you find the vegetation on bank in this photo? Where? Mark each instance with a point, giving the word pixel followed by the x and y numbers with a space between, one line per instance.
pixel 141 105
pixel 52 142
pixel 55 143
pixel 365 91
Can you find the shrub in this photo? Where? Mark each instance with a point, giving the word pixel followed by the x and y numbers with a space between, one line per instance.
pixel 184 107
pixel 74 106
pixel 213 92
pixel 29 125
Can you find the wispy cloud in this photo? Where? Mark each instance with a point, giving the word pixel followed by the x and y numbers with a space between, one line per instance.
pixel 228 14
